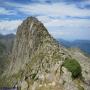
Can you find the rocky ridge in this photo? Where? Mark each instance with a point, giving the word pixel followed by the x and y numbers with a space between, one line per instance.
pixel 37 61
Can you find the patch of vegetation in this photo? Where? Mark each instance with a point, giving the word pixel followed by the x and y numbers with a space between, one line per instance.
pixel 2 48
pixel 7 82
pixel 3 58
pixel 80 88
pixel 12 80
pixel 33 76
pixel 64 82
pixel 73 66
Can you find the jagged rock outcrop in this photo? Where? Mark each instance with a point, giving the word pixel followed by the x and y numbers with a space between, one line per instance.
pixel 37 60
pixel 34 44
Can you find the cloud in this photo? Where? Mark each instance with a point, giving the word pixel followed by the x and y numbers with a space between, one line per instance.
pixel 53 9
pixel 4 11
pixel 67 28
pixel 62 19
pixel 64 22
pixel 56 9
pixel 9 26
pixel 70 33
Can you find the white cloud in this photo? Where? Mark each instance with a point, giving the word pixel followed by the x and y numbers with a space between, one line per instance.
pixel 44 10
pixel 67 28
pixel 50 22
pixel 59 24
pixel 70 33
pixel 6 12
pixel 55 9
pixel 8 26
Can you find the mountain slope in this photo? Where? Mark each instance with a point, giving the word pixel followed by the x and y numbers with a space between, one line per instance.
pixel 2 58
pixel 37 61
pixel 35 49
pixel 6 43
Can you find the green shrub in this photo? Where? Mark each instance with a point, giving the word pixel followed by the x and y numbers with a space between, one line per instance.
pixel 73 66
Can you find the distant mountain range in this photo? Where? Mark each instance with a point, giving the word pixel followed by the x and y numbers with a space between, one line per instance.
pixel 7 41
pixel 8 36
pixel 84 45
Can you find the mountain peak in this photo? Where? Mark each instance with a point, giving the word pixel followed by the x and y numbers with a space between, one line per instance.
pixel 31 36
pixel 36 54
pixel 32 19
pixel 32 25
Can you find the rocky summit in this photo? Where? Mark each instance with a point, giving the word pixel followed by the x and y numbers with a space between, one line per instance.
pixel 39 62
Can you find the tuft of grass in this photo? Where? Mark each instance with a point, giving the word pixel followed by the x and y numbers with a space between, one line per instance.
pixel 73 66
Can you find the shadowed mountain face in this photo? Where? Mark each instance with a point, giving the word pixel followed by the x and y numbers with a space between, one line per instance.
pixel 6 43
pixel 2 61
pixel 37 62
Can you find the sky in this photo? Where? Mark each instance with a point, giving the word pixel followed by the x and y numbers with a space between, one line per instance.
pixel 66 19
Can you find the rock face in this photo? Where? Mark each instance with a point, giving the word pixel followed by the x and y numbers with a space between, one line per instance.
pixel 34 44
pixel 37 60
